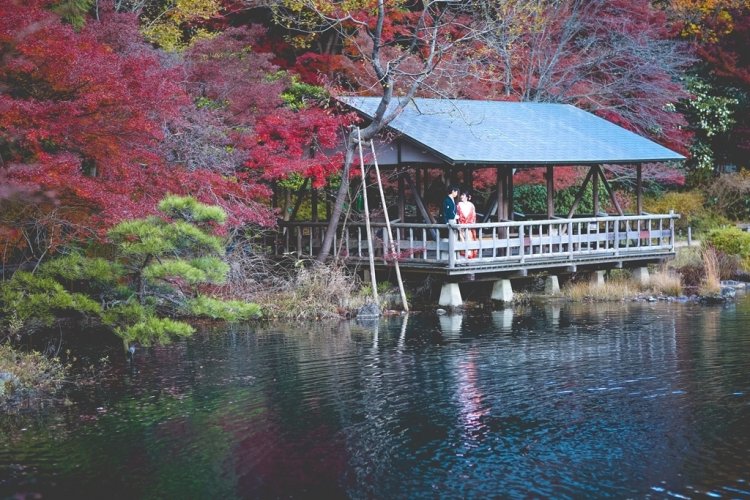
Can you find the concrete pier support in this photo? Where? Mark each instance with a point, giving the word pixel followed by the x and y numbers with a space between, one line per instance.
pixel 450 295
pixel 551 285
pixel 640 275
pixel 502 291
pixel 597 278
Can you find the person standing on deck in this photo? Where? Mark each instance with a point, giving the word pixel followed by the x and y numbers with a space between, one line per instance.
pixel 467 214
pixel 449 206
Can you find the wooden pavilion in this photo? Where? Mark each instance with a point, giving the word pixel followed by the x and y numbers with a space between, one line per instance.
pixel 456 138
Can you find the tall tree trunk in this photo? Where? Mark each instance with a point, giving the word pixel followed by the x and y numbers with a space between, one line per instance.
pixel 338 205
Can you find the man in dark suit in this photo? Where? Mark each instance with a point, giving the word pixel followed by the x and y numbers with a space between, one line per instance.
pixel 449 206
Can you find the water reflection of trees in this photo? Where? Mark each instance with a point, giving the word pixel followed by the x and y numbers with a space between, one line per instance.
pixel 365 411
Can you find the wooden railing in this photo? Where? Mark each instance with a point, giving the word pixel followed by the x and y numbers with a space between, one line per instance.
pixel 520 243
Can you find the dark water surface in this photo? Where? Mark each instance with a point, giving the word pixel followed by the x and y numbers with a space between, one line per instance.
pixel 631 400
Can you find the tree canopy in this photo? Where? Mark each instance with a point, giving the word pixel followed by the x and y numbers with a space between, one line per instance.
pixel 108 106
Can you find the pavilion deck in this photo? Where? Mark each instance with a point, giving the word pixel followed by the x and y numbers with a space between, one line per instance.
pixel 503 248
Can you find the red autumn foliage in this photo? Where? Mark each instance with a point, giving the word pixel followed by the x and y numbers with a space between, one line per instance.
pixel 278 141
pixel 84 120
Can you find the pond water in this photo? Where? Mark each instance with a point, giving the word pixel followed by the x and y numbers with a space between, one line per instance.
pixel 566 401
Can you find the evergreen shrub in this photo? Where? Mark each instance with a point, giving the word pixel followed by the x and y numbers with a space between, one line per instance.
pixel 731 241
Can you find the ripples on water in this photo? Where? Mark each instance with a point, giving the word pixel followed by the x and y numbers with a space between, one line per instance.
pixel 609 400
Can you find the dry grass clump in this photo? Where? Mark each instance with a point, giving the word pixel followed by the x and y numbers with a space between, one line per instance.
pixel 688 263
pixel 621 287
pixel 289 288
pixel 28 375
pixel 711 284
pixel 610 291
pixel 665 282
pixel 314 292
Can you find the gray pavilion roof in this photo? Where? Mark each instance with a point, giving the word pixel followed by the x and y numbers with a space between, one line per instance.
pixel 516 133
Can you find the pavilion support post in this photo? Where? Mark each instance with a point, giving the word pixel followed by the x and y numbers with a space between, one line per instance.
pixel 581 192
pixel 417 181
pixel 500 194
pixel 314 204
pixel 314 212
pixel 509 196
pixel 597 278
pixel 640 275
pixel 595 189
pixel 450 295
pixel 550 193
pixel 502 291
pixel 639 188
pixel 551 285
pixel 401 198
pixel 469 179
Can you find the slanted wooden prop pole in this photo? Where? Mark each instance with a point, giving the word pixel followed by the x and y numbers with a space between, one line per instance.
pixel 391 243
pixel 370 252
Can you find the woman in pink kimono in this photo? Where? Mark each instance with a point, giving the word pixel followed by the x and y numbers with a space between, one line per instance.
pixel 467 214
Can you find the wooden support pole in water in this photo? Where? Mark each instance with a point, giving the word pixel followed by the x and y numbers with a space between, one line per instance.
pixel 391 244
pixel 368 229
